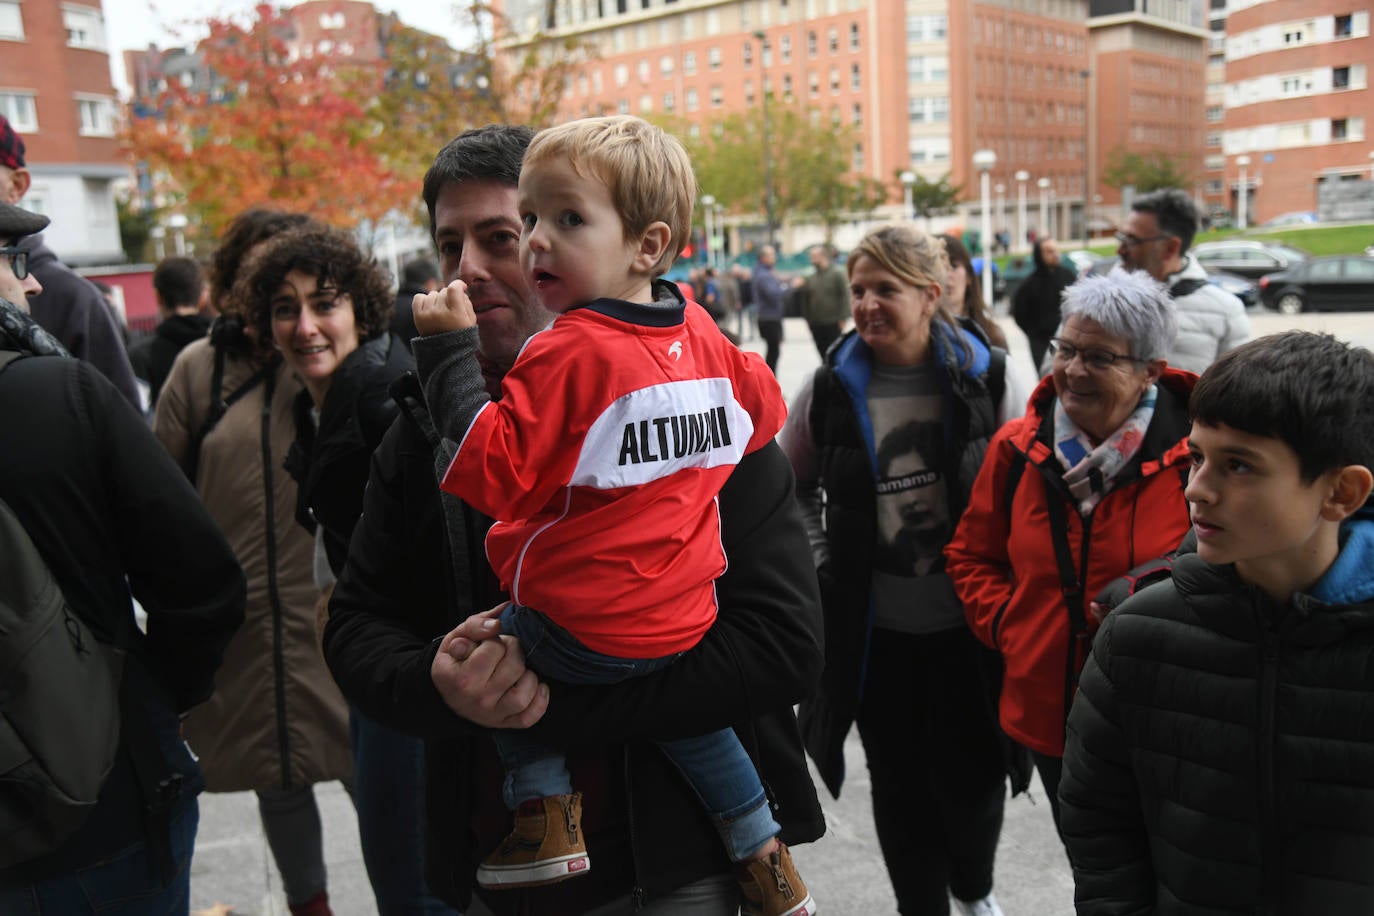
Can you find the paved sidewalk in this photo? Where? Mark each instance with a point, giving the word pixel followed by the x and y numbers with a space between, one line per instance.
pixel 233 866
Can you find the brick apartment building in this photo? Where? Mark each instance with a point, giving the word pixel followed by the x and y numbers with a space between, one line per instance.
pixel 1297 101
pixel 55 89
pixel 1149 67
pixel 925 82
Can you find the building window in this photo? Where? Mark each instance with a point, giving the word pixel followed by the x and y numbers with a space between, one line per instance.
pixel 85 27
pixel 939 110
pixel 858 157
pixel 622 75
pixel 749 92
pixel 1344 26
pixel 331 20
pixel 855 78
pixel 1293 35
pixel 787 87
pixel 669 103
pixel 713 58
pixel 1340 77
pixel 689 63
pixel 692 102
pixel 748 54
pixel 622 107
pixel 19 108
pixel 11 21
pixel 853 36
pixel 642 70
pixel 646 104
pixel 665 65
pixel 834 81
pixel 785 48
pixel 717 97
pixel 1340 129
pixel 1214 186
pixel 832 38
pixel 97 117
pixel 811 43
pixel 813 80
pixel 1212 139
pixel 1214 113
pixel 857 116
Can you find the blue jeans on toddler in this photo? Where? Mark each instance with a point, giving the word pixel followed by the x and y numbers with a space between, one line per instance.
pixel 716 766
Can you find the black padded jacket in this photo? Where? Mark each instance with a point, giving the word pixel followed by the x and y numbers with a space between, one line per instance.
pixel 1220 755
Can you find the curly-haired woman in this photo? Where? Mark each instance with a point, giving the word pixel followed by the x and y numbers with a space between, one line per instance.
pixel 326 306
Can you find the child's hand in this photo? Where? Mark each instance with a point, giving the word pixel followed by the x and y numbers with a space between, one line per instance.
pixel 476 629
pixel 448 309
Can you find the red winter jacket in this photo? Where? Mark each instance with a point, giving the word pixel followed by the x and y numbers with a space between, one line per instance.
pixel 1002 557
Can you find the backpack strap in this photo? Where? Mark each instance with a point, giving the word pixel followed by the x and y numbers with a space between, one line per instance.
pixel 1071 587
pixel 996 376
pixel 219 405
pixel 1186 287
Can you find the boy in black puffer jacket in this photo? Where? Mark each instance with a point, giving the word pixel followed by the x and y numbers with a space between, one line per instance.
pixel 1220 756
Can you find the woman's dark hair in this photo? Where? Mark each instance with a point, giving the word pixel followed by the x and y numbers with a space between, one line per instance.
pixel 244 232
pixel 332 257
pixel 974 306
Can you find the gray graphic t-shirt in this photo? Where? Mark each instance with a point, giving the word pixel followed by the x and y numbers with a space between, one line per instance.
pixel 906 409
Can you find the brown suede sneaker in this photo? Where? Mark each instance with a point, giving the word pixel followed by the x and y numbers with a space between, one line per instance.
pixel 545 847
pixel 772 887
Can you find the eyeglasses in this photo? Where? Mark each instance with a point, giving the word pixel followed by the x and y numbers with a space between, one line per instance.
pixel 1093 358
pixel 19 261
pixel 1130 241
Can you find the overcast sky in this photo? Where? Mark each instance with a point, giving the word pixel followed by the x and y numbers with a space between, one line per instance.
pixel 132 24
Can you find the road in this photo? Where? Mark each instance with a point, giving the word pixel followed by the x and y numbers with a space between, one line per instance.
pixel 232 866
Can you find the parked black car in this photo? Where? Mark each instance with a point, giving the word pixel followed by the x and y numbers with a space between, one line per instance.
pixel 1335 284
pixel 1246 257
pixel 1244 290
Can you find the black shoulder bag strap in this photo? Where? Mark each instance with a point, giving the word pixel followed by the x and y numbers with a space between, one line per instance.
pixel 997 376
pixel 219 406
pixel 1071 587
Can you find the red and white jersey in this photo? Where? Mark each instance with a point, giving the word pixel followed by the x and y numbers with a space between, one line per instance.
pixel 602 462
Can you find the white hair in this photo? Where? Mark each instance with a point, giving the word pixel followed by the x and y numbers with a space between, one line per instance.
pixel 1130 305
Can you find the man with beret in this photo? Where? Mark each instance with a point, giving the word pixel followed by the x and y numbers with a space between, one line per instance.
pixel 70 308
pixel 110 515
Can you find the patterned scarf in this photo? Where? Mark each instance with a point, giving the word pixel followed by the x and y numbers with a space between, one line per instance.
pixel 20 332
pixel 1091 471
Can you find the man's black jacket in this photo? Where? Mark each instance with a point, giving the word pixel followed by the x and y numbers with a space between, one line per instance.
pixel 412 575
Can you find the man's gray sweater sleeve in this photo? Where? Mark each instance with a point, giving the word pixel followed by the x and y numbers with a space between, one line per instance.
pixel 451 379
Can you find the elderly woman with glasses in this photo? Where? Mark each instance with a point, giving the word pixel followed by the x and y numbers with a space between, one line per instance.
pixel 1083 488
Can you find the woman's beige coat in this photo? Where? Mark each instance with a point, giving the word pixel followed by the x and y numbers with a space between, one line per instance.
pixel 276 719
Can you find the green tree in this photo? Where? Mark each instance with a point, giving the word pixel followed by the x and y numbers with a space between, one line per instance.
pixel 1148 171
pixel 929 198
pixel 810 164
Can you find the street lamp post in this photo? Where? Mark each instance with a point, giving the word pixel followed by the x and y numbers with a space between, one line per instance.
pixel 1022 176
pixel 908 179
pixel 767 144
pixel 983 161
pixel 1087 140
pixel 1044 185
pixel 1001 190
pixel 708 204
pixel 177 223
pixel 1244 163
